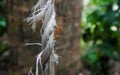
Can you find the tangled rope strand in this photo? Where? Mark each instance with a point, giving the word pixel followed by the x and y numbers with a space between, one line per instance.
pixel 44 11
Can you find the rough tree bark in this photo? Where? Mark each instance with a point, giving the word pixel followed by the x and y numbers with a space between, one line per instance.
pixel 22 58
pixel 68 15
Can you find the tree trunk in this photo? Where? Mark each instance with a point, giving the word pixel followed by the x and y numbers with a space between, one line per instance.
pixel 68 15
pixel 19 33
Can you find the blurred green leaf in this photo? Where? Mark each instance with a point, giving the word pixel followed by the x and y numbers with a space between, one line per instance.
pixel 2 21
pixel 102 26
pixel 2 25
pixel 2 3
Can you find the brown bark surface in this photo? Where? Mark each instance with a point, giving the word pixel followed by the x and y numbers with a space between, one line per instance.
pixel 68 15
pixel 18 33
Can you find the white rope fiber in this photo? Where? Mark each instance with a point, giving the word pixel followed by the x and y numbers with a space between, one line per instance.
pixel 44 11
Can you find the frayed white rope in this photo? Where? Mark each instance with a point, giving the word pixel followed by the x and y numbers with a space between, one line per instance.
pixel 44 11
pixel 37 62
pixel 33 44
pixel 30 72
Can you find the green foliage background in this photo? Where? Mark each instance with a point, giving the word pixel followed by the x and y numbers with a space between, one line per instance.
pixel 2 32
pixel 101 35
